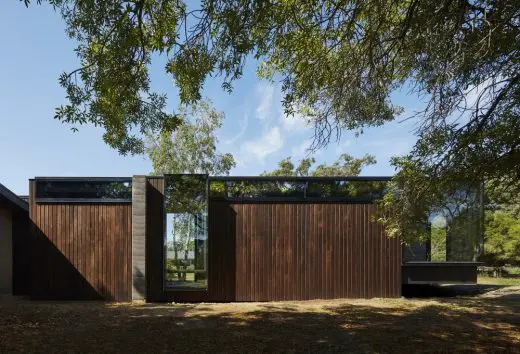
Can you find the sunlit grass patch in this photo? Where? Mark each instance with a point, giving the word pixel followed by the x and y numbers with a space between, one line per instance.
pixel 499 281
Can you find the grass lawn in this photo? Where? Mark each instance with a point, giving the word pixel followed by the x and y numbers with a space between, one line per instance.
pixel 484 323
pixel 499 281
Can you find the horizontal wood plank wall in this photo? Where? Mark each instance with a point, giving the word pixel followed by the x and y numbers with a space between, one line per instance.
pixel 81 251
pixel 282 251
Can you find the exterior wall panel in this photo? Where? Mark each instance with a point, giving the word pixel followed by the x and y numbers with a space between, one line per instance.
pixel 311 251
pixel 282 251
pixel 80 251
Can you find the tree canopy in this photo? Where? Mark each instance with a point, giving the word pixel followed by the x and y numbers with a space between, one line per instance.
pixel 338 62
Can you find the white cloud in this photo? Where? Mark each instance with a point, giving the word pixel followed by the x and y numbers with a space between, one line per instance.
pixel 259 149
pixel 264 110
pixel 243 127
pixel 342 147
pixel 269 109
pixel 300 150
pixel 294 122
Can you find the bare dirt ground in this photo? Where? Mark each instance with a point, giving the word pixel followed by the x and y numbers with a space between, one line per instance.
pixel 488 322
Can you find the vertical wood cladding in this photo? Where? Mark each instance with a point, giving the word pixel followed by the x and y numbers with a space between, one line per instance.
pixel 311 251
pixel 80 251
pixel 282 251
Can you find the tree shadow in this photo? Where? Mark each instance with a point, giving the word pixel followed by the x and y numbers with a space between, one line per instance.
pixel 448 325
pixel 54 277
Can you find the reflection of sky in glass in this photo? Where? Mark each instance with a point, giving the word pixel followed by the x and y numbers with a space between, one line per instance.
pixel 169 227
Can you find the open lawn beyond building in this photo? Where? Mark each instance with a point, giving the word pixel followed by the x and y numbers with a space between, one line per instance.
pixel 489 322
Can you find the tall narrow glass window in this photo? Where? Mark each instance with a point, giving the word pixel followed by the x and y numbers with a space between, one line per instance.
pixel 456 224
pixel 186 238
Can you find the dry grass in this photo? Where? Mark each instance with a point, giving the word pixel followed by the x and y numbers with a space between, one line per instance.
pixel 485 323
pixel 508 281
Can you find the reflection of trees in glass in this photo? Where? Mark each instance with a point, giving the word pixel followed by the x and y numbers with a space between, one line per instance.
pixel 361 190
pixel 182 241
pixel 185 193
pixel 115 190
pixel 84 189
pixel 456 224
pixel 438 238
pixel 186 210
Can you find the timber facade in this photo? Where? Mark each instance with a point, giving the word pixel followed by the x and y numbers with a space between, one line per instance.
pixel 107 239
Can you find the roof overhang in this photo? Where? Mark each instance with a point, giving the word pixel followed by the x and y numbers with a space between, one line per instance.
pixel 12 200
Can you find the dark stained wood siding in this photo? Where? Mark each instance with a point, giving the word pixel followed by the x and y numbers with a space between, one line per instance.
pixel 21 253
pixel 282 251
pixel 290 251
pixel 80 251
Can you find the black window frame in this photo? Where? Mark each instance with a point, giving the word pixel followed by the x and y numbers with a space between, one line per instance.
pixel 50 200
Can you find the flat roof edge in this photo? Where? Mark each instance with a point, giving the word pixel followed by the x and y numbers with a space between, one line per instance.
pixel 300 178
pixel 79 178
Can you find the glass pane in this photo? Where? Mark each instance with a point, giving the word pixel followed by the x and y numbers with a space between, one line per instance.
pixel 360 191
pixel 456 224
pixel 81 189
pixel 353 191
pixel 186 239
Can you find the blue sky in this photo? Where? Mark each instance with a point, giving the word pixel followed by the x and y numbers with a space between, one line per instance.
pixel 35 50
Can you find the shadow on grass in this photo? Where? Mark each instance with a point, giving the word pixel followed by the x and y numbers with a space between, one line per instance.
pixel 397 325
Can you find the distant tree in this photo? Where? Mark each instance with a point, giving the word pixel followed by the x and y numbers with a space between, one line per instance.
pixel 500 196
pixel 345 165
pixel 502 238
pixel 191 148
